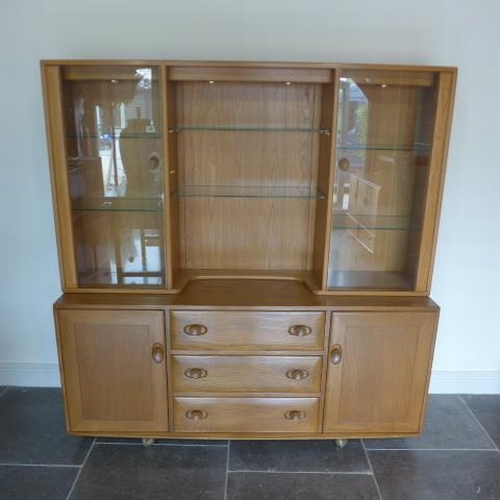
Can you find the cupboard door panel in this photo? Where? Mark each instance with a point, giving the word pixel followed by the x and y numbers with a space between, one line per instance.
pixel 378 371
pixel 113 365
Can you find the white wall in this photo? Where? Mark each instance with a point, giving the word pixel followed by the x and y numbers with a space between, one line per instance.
pixel 444 32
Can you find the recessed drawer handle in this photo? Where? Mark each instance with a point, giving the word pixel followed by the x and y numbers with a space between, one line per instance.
pixel 196 414
pixel 295 415
pixel 195 373
pixel 300 330
pixel 195 329
pixel 297 374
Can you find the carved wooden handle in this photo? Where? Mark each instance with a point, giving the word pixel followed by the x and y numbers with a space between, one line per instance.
pixel 295 415
pixel 195 329
pixel 196 414
pixel 195 373
pixel 336 354
pixel 297 374
pixel 157 353
pixel 300 330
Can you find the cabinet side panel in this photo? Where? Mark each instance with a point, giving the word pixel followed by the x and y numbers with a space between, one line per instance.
pixel 444 112
pixel 57 154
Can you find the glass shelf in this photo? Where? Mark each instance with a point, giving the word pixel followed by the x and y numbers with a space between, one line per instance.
pixel 248 192
pixel 118 204
pixel 243 128
pixel 347 220
pixel 144 135
pixel 415 148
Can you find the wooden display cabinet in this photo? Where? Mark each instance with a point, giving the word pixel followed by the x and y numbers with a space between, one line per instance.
pixel 251 245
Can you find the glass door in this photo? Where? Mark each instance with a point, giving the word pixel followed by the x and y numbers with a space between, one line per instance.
pixel 114 153
pixel 384 142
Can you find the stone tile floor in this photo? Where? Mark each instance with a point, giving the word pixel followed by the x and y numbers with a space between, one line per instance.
pixel 457 458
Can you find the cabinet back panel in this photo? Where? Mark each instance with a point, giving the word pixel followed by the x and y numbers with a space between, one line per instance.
pixel 245 233
pixel 247 135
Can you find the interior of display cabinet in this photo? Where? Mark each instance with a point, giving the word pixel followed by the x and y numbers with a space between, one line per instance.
pixel 251 173
pixel 385 140
pixel 113 139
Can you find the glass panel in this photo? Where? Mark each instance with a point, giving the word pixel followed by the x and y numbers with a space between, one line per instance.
pixel 115 167
pixel 384 140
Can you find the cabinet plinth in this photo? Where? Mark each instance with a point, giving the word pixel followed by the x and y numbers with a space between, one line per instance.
pixel 246 248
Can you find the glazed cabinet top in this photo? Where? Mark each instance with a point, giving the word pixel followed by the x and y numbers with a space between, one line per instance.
pixel 165 172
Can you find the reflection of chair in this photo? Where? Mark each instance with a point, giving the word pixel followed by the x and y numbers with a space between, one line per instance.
pixel 136 261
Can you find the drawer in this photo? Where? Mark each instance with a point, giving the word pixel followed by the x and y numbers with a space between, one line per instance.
pixel 232 415
pixel 283 374
pixel 247 330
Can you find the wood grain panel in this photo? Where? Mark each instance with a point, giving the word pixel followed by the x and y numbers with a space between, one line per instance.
pixel 246 415
pixel 381 381
pixel 111 381
pixel 246 374
pixel 249 74
pixel 248 330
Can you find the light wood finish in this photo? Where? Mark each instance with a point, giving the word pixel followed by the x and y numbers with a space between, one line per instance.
pixel 430 221
pixel 172 245
pixel 250 74
pixel 57 153
pixel 246 374
pixel 252 295
pixel 276 415
pixel 217 233
pixel 378 371
pixel 277 312
pixel 113 370
pixel 243 330
pixel 373 76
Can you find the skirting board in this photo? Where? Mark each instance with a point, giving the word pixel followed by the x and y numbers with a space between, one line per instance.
pixel 30 374
pixel 449 382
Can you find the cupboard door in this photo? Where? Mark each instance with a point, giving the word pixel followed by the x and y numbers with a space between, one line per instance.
pixel 113 367
pixel 378 371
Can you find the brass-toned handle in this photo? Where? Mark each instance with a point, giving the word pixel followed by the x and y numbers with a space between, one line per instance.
pixel 336 354
pixel 195 373
pixel 195 329
pixel 157 353
pixel 300 330
pixel 297 374
pixel 295 415
pixel 196 414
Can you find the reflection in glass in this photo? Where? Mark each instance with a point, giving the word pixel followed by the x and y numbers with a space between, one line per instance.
pixel 384 133
pixel 115 165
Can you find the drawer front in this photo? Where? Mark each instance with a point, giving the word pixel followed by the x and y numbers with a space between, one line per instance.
pixel 282 374
pixel 233 415
pixel 247 330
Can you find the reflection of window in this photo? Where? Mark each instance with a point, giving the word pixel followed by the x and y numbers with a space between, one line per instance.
pixel 351 138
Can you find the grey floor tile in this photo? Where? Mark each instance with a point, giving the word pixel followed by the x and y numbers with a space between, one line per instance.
pixel 297 456
pixel 437 475
pixel 486 409
pixel 33 482
pixel 124 472
pixel 449 425
pixel 33 431
pixel 278 486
